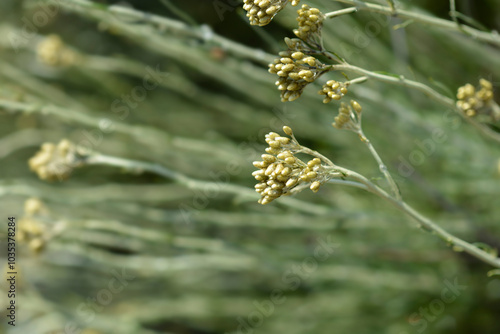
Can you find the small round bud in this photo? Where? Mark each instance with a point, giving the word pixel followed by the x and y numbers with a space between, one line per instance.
pixel 313 162
pixel 356 106
pixel 292 182
pixel 268 158
pixel 288 130
pixel 315 186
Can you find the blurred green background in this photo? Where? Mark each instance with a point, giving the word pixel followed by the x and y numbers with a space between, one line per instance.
pixel 206 261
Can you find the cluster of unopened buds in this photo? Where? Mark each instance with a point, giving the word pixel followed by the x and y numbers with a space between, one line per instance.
pixel 31 227
pixel 349 117
pixel 38 225
pixel 52 51
pixel 261 12
pixel 474 101
pixel 295 70
pixel 55 162
pixel 310 24
pixel 333 90
pixel 281 172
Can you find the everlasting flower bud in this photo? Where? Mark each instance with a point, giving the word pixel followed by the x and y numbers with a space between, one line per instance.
pixel 347 119
pixel 474 101
pixel 295 72
pixel 280 172
pixel 52 51
pixel 55 162
pixel 333 90
pixel 315 186
pixel 356 106
pixel 310 24
pixel 261 12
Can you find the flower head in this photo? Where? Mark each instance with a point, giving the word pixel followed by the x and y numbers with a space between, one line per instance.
pixel 474 101
pixel 349 117
pixel 333 90
pixel 281 172
pixel 310 24
pixel 55 161
pixel 52 51
pixel 295 70
pixel 261 12
pixel 32 229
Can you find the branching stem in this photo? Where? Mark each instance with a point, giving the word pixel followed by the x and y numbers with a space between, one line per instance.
pixel 423 221
pixel 489 37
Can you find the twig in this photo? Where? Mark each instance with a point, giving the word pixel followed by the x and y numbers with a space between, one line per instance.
pixel 341 12
pixel 167 24
pixel 382 167
pixel 143 134
pixel 425 222
pixel 226 188
pixel 489 37
pixel 402 81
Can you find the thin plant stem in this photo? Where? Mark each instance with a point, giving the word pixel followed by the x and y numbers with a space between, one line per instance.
pixel 453 12
pixel 402 81
pixel 194 184
pixel 144 134
pixel 398 80
pixel 357 80
pixel 88 7
pixel 424 222
pixel 179 12
pixel 391 5
pixel 489 37
pixel 381 166
pixel 348 183
pixel 341 12
pixel 166 24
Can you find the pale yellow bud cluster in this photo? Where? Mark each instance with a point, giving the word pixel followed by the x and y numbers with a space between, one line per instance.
pixel 473 101
pixel 280 171
pixel 310 23
pixel 333 90
pixel 31 229
pixel 296 70
pixel 52 51
pixel 55 161
pixel 261 12
pixel 34 206
pixel 349 116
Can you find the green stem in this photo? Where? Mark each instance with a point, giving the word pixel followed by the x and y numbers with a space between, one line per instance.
pixel 402 81
pixel 382 167
pixel 341 12
pixel 425 19
pixel 425 222
pixel 194 184
pixel 165 24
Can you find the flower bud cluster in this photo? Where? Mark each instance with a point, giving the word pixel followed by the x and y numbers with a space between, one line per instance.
pixel 295 70
pixel 472 101
pixel 31 227
pixel 261 12
pixel 280 171
pixel 310 24
pixel 349 117
pixel 333 90
pixel 55 161
pixel 52 51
